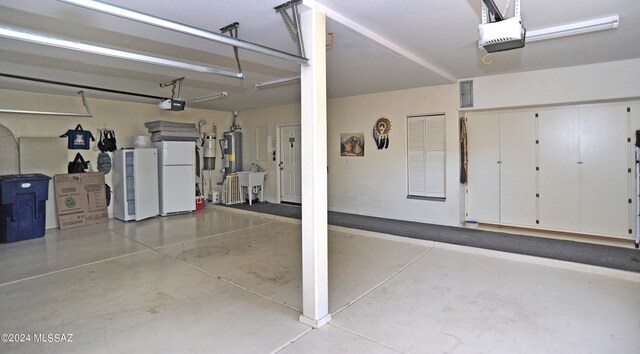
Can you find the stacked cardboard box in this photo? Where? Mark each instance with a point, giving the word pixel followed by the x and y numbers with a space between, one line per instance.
pixel 81 199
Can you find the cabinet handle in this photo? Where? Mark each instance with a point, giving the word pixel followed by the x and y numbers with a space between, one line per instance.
pixel 579 162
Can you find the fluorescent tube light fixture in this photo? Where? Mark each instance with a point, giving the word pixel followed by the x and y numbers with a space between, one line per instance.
pixel 214 96
pixel 182 28
pixel 275 83
pixel 22 35
pixel 595 25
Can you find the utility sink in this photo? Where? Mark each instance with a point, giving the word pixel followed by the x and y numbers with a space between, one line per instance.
pixel 252 180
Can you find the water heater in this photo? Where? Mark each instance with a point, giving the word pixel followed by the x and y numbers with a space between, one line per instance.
pixel 231 148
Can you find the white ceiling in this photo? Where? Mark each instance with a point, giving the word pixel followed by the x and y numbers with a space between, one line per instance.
pixel 442 34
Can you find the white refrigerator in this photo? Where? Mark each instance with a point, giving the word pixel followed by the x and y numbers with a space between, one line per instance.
pixel 135 184
pixel 176 176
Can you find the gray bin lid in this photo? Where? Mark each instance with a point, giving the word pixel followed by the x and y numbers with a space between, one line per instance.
pixel 24 177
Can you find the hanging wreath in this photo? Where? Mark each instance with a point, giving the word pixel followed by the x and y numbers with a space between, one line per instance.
pixel 381 131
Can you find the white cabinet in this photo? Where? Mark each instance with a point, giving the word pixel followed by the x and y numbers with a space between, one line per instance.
pixel 501 170
pixel 518 168
pixel 135 184
pixel 559 175
pixel 579 169
pixel 604 175
pixel 634 117
pixel 483 187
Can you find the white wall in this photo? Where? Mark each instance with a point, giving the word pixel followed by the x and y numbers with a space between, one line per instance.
pixel 375 184
pixel 126 118
pixel 371 185
pixel 270 117
pixel 586 83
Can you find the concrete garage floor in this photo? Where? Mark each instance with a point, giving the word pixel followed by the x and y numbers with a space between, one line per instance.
pixel 228 281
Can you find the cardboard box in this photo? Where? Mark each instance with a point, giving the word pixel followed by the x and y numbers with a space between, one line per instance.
pixel 80 199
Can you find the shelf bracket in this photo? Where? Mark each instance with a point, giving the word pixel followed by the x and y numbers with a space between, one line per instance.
pixel 292 22
pixel 232 29
pixel 47 113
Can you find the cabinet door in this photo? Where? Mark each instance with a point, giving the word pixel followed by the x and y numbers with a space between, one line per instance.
pixel 146 183
pixel 603 172
pixel 518 168
pixel 559 176
pixel 119 185
pixel 483 199
pixel 633 188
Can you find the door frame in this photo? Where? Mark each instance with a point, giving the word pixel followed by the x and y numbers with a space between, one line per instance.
pixel 278 152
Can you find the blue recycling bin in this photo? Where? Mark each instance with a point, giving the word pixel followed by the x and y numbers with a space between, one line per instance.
pixel 22 208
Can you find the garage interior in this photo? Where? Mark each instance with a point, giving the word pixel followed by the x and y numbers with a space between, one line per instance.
pixel 420 191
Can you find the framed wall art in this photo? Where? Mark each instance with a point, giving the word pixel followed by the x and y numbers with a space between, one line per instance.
pixel 352 144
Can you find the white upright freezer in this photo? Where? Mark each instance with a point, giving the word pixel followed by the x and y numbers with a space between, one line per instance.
pixel 135 184
pixel 176 172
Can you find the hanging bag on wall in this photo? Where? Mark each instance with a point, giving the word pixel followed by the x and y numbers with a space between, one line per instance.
pixel 104 163
pixel 110 141
pixel 78 138
pixel 107 190
pixel 107 141
pixel 78 165
pixel 101 146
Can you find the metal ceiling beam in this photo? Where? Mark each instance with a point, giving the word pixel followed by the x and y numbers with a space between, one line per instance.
pixel 336 16
pixel 33 37
pixel 182 28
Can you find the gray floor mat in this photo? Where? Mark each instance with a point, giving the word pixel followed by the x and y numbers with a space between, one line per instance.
pixel 572 251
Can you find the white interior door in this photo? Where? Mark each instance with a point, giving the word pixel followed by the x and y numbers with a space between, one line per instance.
pixel 290 164
pixel 604 206
pixel 517 168
pixel 483 199
pixel 559 176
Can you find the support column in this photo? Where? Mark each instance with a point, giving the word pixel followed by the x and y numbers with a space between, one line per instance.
pixel 315 284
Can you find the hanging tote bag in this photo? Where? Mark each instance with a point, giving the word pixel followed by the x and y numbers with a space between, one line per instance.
pixel 110 141
pixel 78 165
pixel 78 138
pixel 107 141
pixel 100 144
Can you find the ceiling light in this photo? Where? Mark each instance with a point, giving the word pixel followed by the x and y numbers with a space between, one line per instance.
pixel 599 24
pixel 32 37
pixel 279 82
pixel 215 96
pixel 179 27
